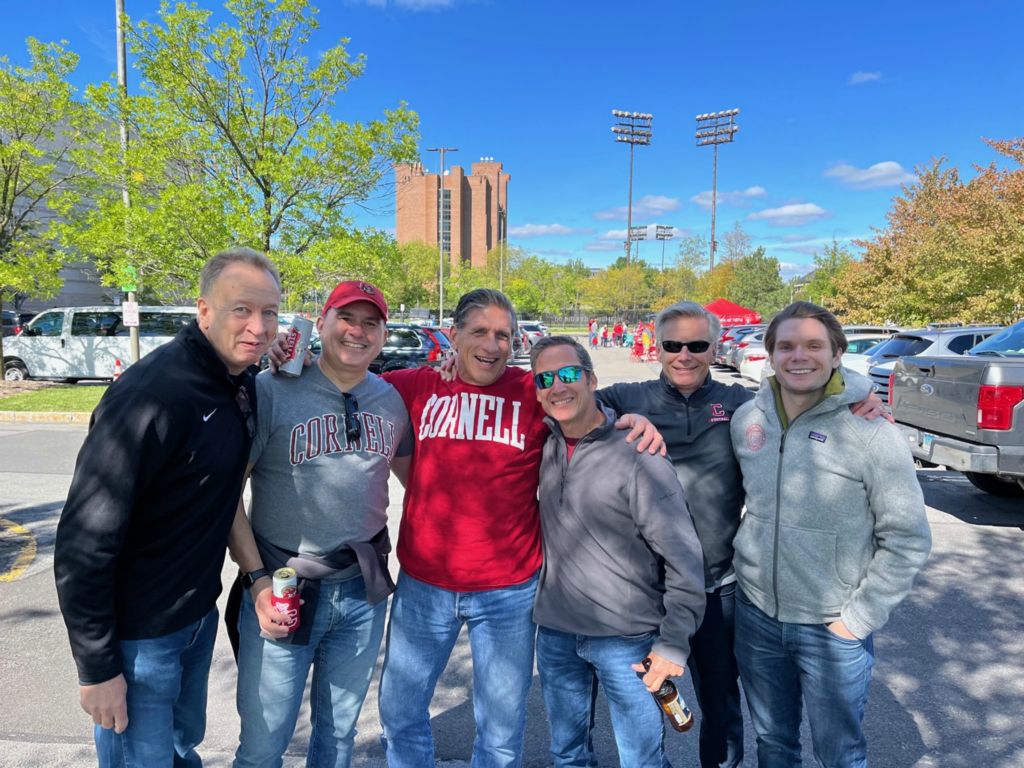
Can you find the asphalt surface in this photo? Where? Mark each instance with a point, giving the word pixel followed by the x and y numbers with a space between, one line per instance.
pixel 947 689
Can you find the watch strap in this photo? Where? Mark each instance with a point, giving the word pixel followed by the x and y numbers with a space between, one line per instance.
pixel 250 578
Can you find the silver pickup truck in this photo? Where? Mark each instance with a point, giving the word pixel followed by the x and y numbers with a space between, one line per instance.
pixel 967 412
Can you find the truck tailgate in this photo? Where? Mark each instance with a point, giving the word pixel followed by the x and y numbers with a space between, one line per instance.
pixel 939 394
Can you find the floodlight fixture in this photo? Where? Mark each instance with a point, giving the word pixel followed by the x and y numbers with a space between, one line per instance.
pixel 632 128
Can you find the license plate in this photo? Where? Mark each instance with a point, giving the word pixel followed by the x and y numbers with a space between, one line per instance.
pixel 927 440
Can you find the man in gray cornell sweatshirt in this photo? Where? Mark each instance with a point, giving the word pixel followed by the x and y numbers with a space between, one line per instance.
pixel 623 573
pixel 833 535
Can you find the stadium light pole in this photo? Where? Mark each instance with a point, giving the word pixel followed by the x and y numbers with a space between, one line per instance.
pixel 714 128
pixel 440 233
pixel 632 128
pixel 636 234
pixel 663 234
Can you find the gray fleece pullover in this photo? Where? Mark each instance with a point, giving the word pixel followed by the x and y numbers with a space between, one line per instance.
pixel 835 523
pixel 621 556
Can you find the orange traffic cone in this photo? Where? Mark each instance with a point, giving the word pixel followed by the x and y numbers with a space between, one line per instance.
pixel 118 370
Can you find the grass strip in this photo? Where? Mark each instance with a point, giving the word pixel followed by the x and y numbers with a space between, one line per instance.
pixel 69 398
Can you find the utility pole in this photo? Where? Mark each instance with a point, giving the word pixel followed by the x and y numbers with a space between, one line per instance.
pixel 632 128
pixel 122 87
pixel 714 128
pixel 440 233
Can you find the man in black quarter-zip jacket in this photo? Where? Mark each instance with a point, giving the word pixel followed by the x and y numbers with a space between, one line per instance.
pixel 141 541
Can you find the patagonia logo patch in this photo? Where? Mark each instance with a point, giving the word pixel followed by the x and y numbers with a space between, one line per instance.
pixel 817 436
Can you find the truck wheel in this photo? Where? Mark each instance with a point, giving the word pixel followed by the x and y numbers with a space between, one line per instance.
pixel 15 370
pixel 995 485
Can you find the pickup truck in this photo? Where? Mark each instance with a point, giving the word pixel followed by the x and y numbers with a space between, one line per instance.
pixel 967 412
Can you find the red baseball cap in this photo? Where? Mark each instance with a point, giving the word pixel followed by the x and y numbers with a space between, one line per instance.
pixel 352 291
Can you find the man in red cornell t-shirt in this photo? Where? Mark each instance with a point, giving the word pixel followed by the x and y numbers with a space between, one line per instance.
pixel 469 542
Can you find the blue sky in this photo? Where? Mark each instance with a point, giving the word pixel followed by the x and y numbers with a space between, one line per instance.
pixel 839 102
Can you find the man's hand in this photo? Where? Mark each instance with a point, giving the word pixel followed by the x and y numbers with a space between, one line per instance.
pixel 839 628
pixel 641 427
pixel 277 354
pixel 870 408
pixel 449 368
pixel 106 702
pixel 272 625
pixel 661 668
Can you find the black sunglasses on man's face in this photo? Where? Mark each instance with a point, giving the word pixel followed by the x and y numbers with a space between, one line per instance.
pixel 674 347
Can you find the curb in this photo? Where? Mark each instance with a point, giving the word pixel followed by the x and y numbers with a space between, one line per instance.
pixel 40 417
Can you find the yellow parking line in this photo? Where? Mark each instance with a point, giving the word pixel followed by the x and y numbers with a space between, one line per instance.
pixel 28 550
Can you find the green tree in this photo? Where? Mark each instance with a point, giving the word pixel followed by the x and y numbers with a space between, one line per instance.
pixel 620 287
pixel 693 253
pixel 43 129
pixel 735 244
pixel 232 142
pixel 718 283
pixel 758 284
pixel 829 268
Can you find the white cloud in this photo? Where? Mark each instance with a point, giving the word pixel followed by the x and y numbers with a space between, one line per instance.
pixel 859 77
pixel 788 269
pixel 540 230
pixel 739 197
pixel 604 246
pixel 885 174
pixel 648 206
pixel 789 215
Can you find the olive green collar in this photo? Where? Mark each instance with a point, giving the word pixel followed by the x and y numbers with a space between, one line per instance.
pixel 835 386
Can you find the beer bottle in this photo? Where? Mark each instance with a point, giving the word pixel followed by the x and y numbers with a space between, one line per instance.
pixel 671 703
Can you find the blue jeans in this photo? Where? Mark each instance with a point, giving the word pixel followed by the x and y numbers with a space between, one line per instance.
pixel 342 650
pixel 780 664
pixel 570 668
pixel 715 676
pixel 167 681
pixel 425 623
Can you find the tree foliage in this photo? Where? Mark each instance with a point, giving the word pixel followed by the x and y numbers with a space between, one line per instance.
pixel 232 142
pixel 830 267
pixel 757 283
pixel 951 250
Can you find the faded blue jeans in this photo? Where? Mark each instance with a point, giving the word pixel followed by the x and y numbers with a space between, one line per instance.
pixel 424 625
pixel 783 665
pixel 342 650
pixel 167 682
pixel 570 668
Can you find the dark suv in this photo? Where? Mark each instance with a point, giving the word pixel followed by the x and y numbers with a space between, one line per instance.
pixel 410 346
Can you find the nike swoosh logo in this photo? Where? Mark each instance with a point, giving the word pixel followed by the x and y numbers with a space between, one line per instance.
pixel 207 416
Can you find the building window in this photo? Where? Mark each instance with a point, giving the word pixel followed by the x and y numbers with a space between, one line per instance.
pixel 446 220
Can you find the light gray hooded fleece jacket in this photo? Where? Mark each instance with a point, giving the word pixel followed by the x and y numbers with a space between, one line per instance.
pixel 835 523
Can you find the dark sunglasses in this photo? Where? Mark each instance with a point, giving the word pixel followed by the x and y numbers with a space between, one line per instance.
pixel 677 346
pixel 568 374
pixel 352 429
pixel 242 401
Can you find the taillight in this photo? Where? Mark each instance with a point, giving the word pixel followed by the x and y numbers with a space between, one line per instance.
pixel 755 358
pixel 892 380
pixel 995 406
pixel 743 344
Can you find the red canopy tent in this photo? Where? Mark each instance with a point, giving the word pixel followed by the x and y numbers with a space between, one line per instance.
pixel 732 314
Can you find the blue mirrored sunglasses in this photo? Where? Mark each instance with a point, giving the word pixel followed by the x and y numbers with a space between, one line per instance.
pixel 567 374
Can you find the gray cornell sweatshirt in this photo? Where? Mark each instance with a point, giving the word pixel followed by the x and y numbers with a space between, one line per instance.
pixel 621 556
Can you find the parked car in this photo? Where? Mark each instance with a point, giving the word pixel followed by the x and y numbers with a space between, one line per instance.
pixel 936 339
pixel 410 346
pixel 858 352
pixel 10 322
pixel 967 412
pixel 740 346
pixel 731 336
pixel 75 343
pixel 530 332
pixel 754 358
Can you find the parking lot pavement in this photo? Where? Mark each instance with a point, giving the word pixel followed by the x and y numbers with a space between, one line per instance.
pixel 947 689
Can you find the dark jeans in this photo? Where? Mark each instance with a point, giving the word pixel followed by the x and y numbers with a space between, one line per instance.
pixel 712 665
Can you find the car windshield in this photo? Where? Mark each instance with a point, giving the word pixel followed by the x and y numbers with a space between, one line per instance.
pixel 1009 342
pixel 902 346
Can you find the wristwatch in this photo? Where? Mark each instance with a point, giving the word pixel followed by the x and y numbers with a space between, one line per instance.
pixel 250 578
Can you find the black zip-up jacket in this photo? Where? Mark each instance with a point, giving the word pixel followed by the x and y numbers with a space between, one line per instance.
pixel 142 538
pixel 696 432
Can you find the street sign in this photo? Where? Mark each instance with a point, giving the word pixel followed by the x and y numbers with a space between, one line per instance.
pixel 130 310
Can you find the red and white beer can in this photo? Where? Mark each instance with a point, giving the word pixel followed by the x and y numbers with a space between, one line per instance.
pixel 285 596
pixel 296 344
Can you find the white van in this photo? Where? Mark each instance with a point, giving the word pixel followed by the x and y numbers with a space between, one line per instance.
pixel 75 343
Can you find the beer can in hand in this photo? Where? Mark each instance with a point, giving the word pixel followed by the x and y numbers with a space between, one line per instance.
pixel 285 596
pixel 295 346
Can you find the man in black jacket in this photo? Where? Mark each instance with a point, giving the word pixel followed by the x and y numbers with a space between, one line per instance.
pixel 141 541
pixel 692 411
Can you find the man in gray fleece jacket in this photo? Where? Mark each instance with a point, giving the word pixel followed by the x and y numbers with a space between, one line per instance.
pixel 623 573
pixel 833 535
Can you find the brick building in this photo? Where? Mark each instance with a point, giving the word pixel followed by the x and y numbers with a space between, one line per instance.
pixel 474 213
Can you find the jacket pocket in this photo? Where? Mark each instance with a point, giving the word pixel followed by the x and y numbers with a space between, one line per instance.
pixel 753 557
pixel 808 578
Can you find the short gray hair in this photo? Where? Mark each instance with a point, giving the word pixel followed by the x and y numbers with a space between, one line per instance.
pixel 546 342
pixel 688 309
pixel 238 254
pixel 482 298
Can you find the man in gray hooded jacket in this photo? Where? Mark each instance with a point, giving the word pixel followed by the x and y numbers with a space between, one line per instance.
pixel 833 535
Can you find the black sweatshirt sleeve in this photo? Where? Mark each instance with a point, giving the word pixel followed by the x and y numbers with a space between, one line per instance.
pixel 121 455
